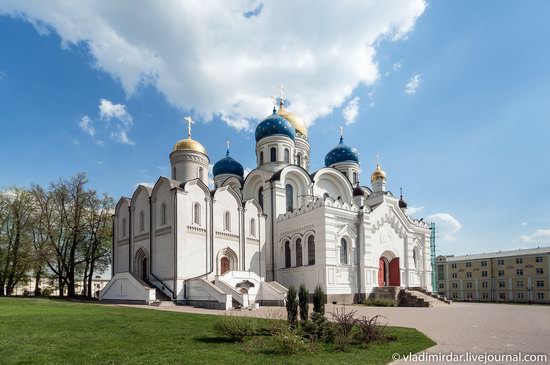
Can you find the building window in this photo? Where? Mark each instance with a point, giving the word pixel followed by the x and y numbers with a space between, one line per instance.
pixel 289 197
pixel 469 295
pixel 261 157
pixel 287 254
pixel 519 272
pixel 123 230
pixel 311 250
pixel 454 275
pixel 343 252
pixel 455 295
pixel 261 197
pixel 440 272
pixel 273 154
pixel 501 273
pixel 468 264
pixel 468 285
pixel 455 285
pixel 520 295
pixel 287 156
pixel 540 271
pixel 453 266
pixel 441 286
pixel 414 259
pixel 483 263
pixel 299 160
pixel 174 173
pixel 141 221
pixel 502 296
pixel 468 274
pixel 485 295
pixel 500 262
pixel 163 214
pixel 253 227
pixel 484 273
pixel 355 177
pixel 538 259
pixel 484 284
pixel 540 296
pixel 197 213
pixel 200 172
pixel 299 252
pixel 519 284
pixel 540 284
pixel 519 260
pixel 227 221
pixel 502 284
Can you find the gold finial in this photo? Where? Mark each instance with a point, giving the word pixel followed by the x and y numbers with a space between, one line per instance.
pixel 341 134
pixel 189 122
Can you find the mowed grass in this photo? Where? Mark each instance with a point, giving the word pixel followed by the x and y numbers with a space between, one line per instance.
pixel 44 331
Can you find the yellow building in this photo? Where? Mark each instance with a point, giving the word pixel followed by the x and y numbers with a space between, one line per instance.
pixel 506 276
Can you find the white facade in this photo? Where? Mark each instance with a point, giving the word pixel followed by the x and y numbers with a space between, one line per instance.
pixel 249 238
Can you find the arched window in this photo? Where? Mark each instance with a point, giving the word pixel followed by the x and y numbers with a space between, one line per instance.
pixel 355 177
pixel 289 197
pixel 299 252
pixel 163 214
pixel 174 173
pixel 227 221
pixel 325 195
pixel 123 228
pixel 287 156
pixel 261 196
pixel 343 252
pixel 345 173
pixel 261 157
pixel 311 250
pixel 141 221
pixel 253 227
pixel 273 154
pixel 299 160
pixel 197 213
pixel 415 258
pixel 200 172
pixel 287 254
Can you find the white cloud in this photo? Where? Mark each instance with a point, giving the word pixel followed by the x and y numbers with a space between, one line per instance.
pixel 221 58
pixel 240 124
pixel 412 210
pixel 109 111
pixel 247 171
pixel 351 111
pixel 87 125
pixel 413 84
pixel 396 66
pixel 145 183
pixel 523 224
pixel 446 226
pixel 539 236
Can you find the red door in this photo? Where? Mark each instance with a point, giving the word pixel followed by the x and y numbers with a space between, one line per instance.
pixel 395 279
pixel 224 265
pixel 382 271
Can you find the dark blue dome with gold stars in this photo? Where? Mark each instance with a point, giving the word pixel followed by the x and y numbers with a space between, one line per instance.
pixel 341 153
pixel 275 125
pixel 228 165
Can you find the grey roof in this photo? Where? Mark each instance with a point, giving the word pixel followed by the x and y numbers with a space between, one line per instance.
pixel 499 254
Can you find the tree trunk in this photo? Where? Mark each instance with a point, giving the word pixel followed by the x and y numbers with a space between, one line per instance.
pixel 61 286
pixel 37 278
pixel 91 290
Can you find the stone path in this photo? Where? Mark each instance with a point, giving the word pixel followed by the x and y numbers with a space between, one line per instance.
pixel 460 327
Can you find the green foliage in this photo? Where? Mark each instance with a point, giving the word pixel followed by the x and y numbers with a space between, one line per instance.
pixel 318 329
pixel 288 343
pixel 236 328
pixel 370 329
pixel 292 307
pixel 381 302
pixel 319 300
pixel 303 302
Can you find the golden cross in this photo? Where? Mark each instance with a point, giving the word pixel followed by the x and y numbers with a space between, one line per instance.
pixel 227 145
pixel 274 101
pixel 341 131
pixel 282 89
pixel 189 122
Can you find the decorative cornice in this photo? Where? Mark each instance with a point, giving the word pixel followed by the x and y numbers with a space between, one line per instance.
pixel 163 231
pixel 123 241
pixel 196 230
pixel 227 235
pixel 186 158
pixel 293 231
pixel 141 237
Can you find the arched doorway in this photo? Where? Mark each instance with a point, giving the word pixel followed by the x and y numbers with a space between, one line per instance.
pixel 142 264
pixel 388 272
pixel 225 265
pixel 383 271
pixel 144 269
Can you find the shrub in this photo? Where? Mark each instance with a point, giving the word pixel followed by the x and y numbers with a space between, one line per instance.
pixel 381 302
pixel 236 328
pixel 292 307
pixel 319 300
pixel 318 329
pixel 303 302
pixel 288 343
pixel 370 329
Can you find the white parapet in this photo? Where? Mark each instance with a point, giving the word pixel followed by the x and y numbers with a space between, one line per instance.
pixel 126 287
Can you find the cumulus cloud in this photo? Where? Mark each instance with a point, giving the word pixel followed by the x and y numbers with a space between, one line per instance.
pixel 523 224
pixel 87 125
pixel 412 210
pixel 118 113
pixel 144 183
pixel 221 58
pixel 539 236
pixel 351 111
pixel 396 66
pixel 446 225
pixel 413 84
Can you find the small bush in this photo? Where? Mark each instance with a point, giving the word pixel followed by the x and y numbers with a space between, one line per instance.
pixel 303 302
pixel 318 329
pixel 381 302
pixel 292 307
pixel 319 300
pixel 370 329
pixel 344 320
pixel 236 328
pixel 288 343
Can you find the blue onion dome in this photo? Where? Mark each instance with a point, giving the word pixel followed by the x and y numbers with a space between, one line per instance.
pixel 228 165
pixel 275 125
pixel 341 153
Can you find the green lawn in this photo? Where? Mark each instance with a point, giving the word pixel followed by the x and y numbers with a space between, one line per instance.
pixel 43 331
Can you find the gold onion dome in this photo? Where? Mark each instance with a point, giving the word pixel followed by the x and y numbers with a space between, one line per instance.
pixel 297 122
pixel 377 174
pixel 189 144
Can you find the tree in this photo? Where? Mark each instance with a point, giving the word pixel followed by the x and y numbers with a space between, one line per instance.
pixel 292 307
pixel 319 300
pixel 303 295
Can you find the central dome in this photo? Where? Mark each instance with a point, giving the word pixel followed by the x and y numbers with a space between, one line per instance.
pixel 341 153
pixel 297 122
pixel 189 144
pixel 274 125
pixel 228 165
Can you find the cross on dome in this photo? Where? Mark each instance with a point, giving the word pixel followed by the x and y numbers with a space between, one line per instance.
pixel 189 122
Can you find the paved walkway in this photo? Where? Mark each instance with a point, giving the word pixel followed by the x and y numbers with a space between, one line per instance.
pixel 460 327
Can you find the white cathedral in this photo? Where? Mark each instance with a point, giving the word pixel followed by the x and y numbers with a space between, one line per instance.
pixel 248 239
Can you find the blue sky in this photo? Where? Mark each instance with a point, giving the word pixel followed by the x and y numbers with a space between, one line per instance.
pixel 456 105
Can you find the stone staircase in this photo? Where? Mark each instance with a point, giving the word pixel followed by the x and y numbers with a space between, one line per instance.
pixel 162 300
pixel 386 292
pixel 413 297
pixel 433 295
